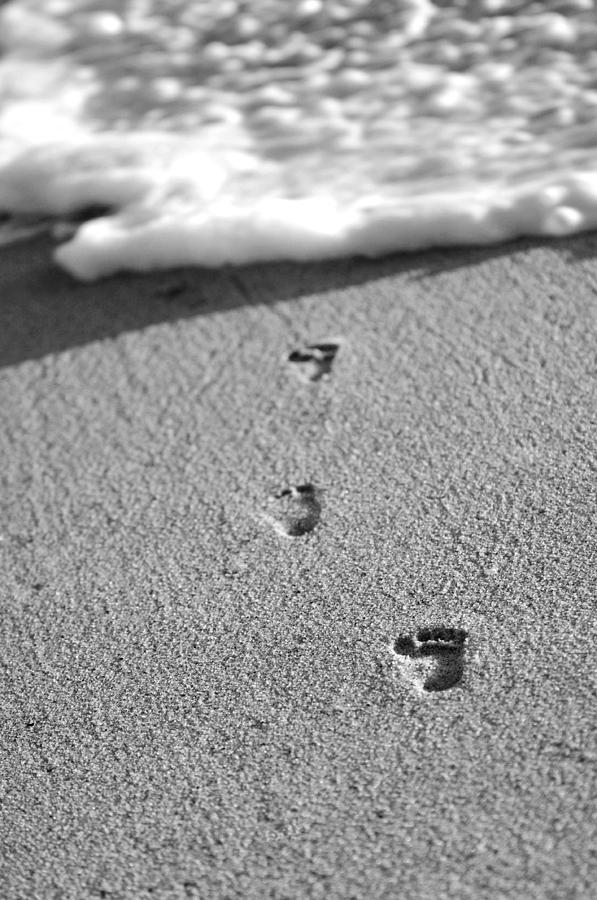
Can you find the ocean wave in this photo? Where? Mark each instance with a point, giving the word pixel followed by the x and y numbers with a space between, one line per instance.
pixel 203 133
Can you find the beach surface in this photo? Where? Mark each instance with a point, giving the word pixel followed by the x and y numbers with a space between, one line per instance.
pixel 196 704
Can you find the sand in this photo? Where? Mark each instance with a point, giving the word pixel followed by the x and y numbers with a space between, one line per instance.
pixel 194 704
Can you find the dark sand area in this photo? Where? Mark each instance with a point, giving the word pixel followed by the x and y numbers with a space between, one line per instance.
pixel 196 706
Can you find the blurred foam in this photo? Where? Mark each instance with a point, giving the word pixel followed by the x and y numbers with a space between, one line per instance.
pixel 235 132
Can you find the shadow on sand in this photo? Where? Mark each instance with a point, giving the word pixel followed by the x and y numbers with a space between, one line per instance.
pixel 44 310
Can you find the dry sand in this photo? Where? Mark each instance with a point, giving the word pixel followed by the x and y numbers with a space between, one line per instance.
pixel 195 705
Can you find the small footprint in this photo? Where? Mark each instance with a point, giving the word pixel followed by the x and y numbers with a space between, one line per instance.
pixel 434 658
pixel 297 510
pixel 314 361
pixel 172 289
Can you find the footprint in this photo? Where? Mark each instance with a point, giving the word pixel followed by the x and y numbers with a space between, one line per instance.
pixel 171 290
pixel 434 658
pixel 314 361
pixel 297 510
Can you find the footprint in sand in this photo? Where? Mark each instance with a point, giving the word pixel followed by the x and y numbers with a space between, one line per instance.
pixel 433 659
pixel 314 361
pixel 297 510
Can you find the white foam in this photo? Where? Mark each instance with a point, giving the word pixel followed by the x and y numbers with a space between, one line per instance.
pixel 215 193
pixel 319 227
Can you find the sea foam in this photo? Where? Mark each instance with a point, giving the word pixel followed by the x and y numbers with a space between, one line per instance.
pixel 207 134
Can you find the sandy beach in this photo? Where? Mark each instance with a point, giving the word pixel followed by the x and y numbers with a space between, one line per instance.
pixel 195 704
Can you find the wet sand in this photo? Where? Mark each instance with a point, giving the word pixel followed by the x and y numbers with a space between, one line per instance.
pixel 196 704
